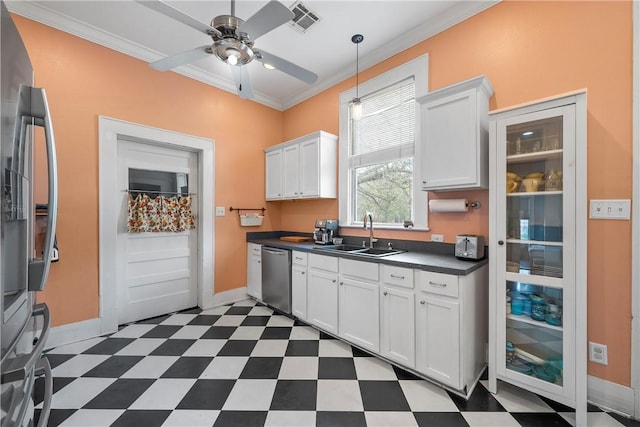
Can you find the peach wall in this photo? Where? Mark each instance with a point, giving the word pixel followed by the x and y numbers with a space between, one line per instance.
pixel 532 50
pixel 84 81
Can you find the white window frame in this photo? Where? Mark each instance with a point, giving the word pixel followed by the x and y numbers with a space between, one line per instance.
pixel 418 69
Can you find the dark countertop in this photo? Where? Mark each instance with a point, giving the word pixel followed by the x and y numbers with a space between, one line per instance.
pixel 437 262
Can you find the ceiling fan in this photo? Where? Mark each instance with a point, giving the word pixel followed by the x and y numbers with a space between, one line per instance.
pixel 233 41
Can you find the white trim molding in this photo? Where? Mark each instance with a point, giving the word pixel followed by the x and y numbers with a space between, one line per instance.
pixel 610 396
pixel 110 131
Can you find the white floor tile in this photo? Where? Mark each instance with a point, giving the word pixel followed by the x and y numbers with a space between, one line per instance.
pixel 216 310
pixel 490 419
pixel 179 319
pixel 190 418
pixel 516 399
pixel 190 332
pixel 299 368
pixel 225 367
pixel 205 348
pixel 79 392
pixel 270 348
pixel 304 333
pixel 594 419
pixel 245 303
pixel 79 365
pixel 390 419
pixel 141 347
pixel 229 320
pixel 164 393
pixel 150 367
pixel 133 331
pixel 334 348
pixel 339 395
pixel 279 320
pixel 247 333
pixel 290 419
pixel 92 418
pixel 76 347
pixel 254 395
pixel 423 396
pixel 260 310
pixel 372 368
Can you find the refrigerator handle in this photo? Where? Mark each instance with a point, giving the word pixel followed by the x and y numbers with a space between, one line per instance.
pixel 44 368
pixel 39 268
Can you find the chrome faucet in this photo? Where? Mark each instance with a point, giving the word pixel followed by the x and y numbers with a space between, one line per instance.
pixel 372 239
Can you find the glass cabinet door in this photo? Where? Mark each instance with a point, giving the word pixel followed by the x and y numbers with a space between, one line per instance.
pixel 535 180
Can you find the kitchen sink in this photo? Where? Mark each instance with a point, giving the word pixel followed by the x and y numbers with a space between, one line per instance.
pixel 359 250
pixel 379 252
pixel 344 248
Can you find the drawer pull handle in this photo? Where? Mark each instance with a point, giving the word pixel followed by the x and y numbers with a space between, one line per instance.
pixel 442 285
pixel 423 302
pixel 397 277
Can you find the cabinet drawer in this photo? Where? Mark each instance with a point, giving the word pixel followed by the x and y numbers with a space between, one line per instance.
pixel 360 269
pixel 323 262
pixel 438 283
pixel 397 276
pixel 254 248
pixel 299 258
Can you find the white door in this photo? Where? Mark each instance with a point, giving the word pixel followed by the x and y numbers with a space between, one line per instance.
pixel 359 311
pixel 156 272
pixel 398 325
pixel 322 300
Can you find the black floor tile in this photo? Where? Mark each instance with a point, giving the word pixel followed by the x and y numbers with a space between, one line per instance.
pixel 204 320
pixel 359 353
pixel 437 419
pixel 404 375
pixel 58 384
pixel 207 394
pixel 239 310
pixel 219 332
pixel 109 346
pixel 558 407
pixel 58 359
pixel 138 418
pixel 302 348
pixel 120 394
pixel 172 348
pixel 261 368
pixel 255 321
pixel 56 416
pixel 383 396
pixel 627 422
pixel 276 333
pixel 540 419
pixel 114 367
pixel 194 310
pixel 326 336
pixel 154 320
pixel 162 331
pixel 336 368
pixel 480 400
pixel 237 348
pixel 295 395
pixel 241 418
pixel 339 419
pixel 187 367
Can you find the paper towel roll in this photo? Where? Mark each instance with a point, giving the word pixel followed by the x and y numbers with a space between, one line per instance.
pixel 448 205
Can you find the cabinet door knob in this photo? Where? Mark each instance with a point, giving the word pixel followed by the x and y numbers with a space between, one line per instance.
pixel 385 293
pixel 259 262
pixel 423 302
pixel 500 242
pixel 341 283
pixel 334 281
pixel 302 272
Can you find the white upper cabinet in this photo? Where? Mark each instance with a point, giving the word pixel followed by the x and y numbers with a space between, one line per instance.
pixel 305 167
pixel 454 136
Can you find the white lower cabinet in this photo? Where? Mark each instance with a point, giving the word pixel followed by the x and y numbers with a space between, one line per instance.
pixel 398 327
pixel 254 270
pixel 358 313
pixel 299 284
pixel 322 292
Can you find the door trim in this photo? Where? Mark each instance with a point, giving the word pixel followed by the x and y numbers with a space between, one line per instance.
pixel 635 218
pixel 110 130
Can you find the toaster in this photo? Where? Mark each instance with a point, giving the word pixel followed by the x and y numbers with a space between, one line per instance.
pixel 469 246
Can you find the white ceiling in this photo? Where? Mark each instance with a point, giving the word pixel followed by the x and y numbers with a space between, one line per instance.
pixel 388 26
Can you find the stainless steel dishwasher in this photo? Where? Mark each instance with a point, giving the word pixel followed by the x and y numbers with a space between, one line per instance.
pixel 276 278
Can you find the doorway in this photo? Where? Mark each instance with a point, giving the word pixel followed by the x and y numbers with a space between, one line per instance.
pixel 116 141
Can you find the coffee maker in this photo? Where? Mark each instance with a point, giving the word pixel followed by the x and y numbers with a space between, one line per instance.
pixel 325 231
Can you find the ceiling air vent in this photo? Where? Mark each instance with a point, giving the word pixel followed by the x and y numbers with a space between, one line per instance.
pixel 303 18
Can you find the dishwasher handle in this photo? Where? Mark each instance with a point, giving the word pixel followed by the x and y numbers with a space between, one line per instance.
pixel 275 251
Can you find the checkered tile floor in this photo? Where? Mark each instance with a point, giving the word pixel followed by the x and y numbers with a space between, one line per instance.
pixel 243 365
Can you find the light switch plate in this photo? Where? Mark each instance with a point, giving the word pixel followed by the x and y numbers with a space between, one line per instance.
pixel 610 209
pixel 437 238
pixel 220 211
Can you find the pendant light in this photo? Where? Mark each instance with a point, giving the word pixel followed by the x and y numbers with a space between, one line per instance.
pixel 356 105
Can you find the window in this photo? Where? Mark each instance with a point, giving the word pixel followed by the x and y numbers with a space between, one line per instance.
pixel 379 152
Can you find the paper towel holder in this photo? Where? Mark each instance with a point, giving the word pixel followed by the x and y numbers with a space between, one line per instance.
pixel 452 205
pixel 474 205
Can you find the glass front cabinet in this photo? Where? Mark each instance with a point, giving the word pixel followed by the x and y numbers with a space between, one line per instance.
pixel 538 249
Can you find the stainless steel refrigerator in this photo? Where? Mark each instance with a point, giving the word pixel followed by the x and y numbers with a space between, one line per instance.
pixel 24 261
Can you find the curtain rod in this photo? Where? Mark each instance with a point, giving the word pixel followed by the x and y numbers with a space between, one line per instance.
pixel 160 192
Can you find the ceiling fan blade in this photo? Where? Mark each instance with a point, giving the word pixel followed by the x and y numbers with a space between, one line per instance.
pixel 271 16
pixel 286 67
pixel 242 81
pixel 173 61
pixel 178 15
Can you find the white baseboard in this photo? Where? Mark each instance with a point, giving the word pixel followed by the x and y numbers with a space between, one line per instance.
pixel 73 332
pixel 611 396
pixel 227 297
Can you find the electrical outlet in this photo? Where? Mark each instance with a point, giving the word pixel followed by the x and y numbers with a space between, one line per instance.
pixel 220 211
pixel 610 209
pixel 437 238
pixel 598 353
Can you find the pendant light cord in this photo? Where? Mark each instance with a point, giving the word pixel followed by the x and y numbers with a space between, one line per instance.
pixel 357 39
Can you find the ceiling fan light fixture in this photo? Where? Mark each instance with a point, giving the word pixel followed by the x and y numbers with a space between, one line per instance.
pixel 356 104
pixel 268 66
pixel 233 51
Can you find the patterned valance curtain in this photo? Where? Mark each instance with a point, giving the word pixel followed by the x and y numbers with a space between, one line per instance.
pixel 160 214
